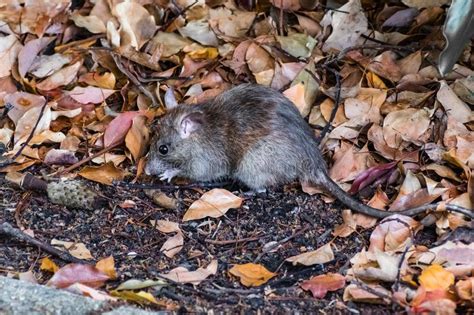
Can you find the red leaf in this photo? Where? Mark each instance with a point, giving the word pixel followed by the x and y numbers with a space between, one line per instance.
pixel 321 284
pixel 370 175
pixel 72 273
pixel 118 128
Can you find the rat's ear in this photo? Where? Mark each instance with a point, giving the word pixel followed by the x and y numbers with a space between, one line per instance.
pixel 190 123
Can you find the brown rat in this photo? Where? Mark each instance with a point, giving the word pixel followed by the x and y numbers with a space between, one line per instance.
pixel 252 134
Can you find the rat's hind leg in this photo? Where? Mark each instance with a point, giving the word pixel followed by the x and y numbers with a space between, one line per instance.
pixel 266 165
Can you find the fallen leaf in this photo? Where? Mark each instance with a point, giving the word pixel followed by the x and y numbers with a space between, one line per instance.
pixel 320 285
pixel 137 137
pixel 10 47
pixel 140 297
pixel 78 250
pixel 322 255
pixel 173 245
pixel 48 265
pixel 393 233
pixel 28 53
pixel 90 94
pixel 78 273
pixel 182 275
pixel 81 289
pixel 107 266
pixel 62 77
pixel 296 95
pixel 135 284
pixel 104 174
pixel 348 23
pixel 354 293
pixel 435 277
pixel 137 25
pixel 251 275
pixel 165 226
pixel 214 203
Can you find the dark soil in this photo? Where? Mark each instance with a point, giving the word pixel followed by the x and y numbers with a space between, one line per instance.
pixel 128 236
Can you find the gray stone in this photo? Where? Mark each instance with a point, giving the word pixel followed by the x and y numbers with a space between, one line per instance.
pixel 21 297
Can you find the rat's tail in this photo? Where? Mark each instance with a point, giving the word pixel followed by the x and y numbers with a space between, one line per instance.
pixel 358 206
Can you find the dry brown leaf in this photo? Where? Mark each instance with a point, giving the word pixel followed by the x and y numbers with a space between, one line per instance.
pixel 78 250
pixel 406 125
pixel 214 204
pixel 137 137
pixel 104 174
pixel 393 233
pixel 173 245
pixel 166 226
pixel 322 255
pixel 182 275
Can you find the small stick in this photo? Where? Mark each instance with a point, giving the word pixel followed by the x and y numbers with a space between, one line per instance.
pixel 7 229
pixel 227 242
pixel 286 239
pixel 90 157
pixel 337 100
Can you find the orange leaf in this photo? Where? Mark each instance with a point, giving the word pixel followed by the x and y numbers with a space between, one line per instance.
pixel 321 284
pixel 104 174
pixel 48 265
pixel 251 275
pixel 436 277
pixel 107 266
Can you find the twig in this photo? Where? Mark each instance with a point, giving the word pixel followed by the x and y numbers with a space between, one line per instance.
pixel 381 295
pixel 30 136
pixel 397 281
pixel 19 208
pixel 337 100
pixel 343 52
pixel 90 157
pixel 279 243
pixel 7 229
pixel 227 242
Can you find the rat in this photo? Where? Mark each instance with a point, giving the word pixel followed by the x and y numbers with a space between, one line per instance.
pixel 252 134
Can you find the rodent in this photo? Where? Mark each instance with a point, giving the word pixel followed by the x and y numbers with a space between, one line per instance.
pixel 249 133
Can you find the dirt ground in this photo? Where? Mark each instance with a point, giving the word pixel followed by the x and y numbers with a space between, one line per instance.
pixel 288 216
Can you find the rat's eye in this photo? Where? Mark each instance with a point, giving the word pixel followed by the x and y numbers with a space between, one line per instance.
pixel 163 149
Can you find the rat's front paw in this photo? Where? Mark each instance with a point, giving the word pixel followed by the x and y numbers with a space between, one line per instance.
pixel 169 174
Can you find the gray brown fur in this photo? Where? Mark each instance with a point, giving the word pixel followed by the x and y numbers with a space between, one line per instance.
pixel 249 133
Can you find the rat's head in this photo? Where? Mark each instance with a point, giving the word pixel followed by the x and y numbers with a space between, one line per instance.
pixel 174 138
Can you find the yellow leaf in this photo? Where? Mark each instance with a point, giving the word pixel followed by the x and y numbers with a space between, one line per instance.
pixel 48 265
pixel 107 266
pixel 251 275
pixel 141 297
pixel 435 277
pixel 374 81
pixel 214 204
pixel 104 174
pixel 204 53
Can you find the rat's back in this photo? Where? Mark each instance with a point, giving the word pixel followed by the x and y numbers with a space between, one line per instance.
pixel 269 141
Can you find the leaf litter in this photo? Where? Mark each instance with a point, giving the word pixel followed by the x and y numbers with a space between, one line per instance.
pixel 79 91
